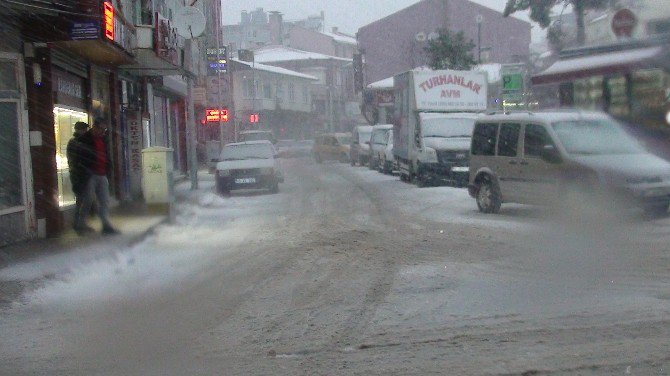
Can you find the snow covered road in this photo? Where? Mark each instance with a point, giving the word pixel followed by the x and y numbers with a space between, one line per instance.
pixel 347 271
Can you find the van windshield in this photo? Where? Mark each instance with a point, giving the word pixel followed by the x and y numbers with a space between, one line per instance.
pixel 595 137
pixel 448 128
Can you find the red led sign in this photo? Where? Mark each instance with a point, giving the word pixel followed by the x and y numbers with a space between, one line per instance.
pixel 108 10
pixel 254 118
pixel 212 115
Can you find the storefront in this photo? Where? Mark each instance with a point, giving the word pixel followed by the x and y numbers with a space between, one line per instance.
pixel 69 107
pixel 629 80
pixel 17 219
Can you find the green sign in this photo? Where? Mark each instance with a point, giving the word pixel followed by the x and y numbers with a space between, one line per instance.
pixel 512 82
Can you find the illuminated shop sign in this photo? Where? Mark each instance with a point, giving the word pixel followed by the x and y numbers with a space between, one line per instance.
pixel 214 115
pixel 108 16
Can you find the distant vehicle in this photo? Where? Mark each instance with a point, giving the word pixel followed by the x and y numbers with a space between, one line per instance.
pixel 433 123
pixel 565 158
pixel 360 147
pixel 378 141
pixel 387 162
pixel 248 165
pixel 294 148
pixel 332 146
pixel 256 135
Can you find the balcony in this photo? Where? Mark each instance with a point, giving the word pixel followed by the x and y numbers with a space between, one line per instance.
pixel 159 50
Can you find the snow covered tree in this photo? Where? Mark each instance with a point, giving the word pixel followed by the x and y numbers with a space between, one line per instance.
pixel 540 11
pixel 450 51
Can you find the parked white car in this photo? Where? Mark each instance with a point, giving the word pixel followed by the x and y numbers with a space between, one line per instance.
pixel 248 165
pixel 378 144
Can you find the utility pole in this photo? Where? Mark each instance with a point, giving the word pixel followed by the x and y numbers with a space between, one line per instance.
pixel 218 73
pixel 479 20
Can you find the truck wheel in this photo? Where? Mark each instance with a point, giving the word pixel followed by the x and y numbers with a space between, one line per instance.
pixel 488 197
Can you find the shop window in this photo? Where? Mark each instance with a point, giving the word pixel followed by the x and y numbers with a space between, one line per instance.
pixel 64 128
pixel 10 166
pixel 588 93
pixel 649 87
pixel 618 104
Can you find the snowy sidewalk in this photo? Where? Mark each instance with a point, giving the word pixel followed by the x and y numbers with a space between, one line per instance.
pixel 69 248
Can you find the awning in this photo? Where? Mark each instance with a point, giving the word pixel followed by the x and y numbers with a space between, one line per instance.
pixel 602 63
pixel 98 52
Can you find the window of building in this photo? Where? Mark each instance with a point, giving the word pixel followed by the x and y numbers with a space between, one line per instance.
pixel 484 139
pixel 267 90
pixel 305 93
pixel 280 90
pixel 249 88
pixel 508 140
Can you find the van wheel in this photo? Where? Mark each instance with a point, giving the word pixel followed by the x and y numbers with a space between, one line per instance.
pixel 488 197
pixel 656 211
pixel 274 188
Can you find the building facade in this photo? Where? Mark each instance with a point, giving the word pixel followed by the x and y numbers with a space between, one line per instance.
pixel 120 60
pixel 396 43
pixel 280 98
pixel 335 105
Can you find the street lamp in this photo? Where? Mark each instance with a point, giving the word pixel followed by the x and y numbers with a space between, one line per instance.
pixel 479 20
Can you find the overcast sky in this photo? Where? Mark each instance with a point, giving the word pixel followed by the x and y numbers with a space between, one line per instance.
pixel 347 15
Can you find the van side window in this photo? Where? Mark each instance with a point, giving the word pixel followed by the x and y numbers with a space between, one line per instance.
pixel 484 139
pixel 508 140
pixel 534 140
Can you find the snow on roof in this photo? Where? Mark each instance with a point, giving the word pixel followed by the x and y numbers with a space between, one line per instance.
pixel 277 70
pixel 386 83
pixel 601 60
pixel 274 54
pixel 341 38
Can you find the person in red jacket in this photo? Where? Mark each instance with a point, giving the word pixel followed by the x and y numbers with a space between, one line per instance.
pixel 96 160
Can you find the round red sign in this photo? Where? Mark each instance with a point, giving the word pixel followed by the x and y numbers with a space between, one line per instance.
pixel 623 23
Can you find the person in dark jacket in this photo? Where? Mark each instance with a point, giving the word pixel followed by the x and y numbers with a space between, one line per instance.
pixel 96 160
pixel 78 174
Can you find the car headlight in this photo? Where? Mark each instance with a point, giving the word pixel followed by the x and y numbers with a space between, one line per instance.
pixel 223 172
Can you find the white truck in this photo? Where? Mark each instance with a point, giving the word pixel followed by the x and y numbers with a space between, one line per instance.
pixel 433 123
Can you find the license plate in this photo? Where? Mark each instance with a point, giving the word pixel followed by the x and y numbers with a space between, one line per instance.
pixel 245 181
pixel 460 169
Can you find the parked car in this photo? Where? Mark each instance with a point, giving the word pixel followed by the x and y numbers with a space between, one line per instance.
pixel 360 148
pixel 256 135
pixel 387 163
pixel 294 148
pixel 377 144
pixel 332 146
pixel 248 165
pixel 563 158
